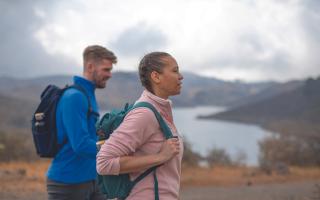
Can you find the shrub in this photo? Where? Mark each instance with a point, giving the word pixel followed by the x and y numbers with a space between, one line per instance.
pixel 16 146
pixel 218 156
pixel 190 158
pixel 289 150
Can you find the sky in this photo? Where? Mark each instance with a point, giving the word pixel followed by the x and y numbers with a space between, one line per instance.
pixel 248 40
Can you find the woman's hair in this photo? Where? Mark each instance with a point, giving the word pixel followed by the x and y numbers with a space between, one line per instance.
pixel 149 63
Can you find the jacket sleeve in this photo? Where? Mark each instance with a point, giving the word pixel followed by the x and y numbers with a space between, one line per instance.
pixel 75 122
pixel 134 131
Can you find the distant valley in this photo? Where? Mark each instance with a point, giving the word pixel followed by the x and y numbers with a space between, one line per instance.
pixel 291 108
pixel 19 97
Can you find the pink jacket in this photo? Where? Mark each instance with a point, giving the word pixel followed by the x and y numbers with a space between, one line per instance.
pixel 140 134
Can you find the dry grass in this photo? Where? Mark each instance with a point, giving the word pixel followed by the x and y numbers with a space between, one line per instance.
pixel 232 176
pixel 22 179
pixel 26 180
pixel 35 172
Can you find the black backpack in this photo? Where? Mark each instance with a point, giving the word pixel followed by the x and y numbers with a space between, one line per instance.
pixel 44 130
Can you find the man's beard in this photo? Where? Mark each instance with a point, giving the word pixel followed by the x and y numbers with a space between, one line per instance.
pixel 99 84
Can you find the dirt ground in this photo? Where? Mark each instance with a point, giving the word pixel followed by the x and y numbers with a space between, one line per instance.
pixel 26 181
pixel 286 191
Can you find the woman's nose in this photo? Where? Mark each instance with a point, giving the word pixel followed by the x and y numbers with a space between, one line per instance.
pixel 181 77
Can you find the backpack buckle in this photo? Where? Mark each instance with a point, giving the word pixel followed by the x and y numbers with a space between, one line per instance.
pixel 39 116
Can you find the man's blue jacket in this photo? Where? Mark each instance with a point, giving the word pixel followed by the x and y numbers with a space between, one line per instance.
pixel 76 160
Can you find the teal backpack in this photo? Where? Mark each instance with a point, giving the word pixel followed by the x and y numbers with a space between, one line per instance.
pixel 120 186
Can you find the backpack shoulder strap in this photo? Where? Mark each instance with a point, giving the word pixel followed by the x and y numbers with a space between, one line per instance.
pixel 144 174
pixel 81 89
pixel 90 110
pixel 167 133
pixel 164 127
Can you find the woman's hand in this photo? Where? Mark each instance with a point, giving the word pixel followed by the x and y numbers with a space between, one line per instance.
pixel 169 149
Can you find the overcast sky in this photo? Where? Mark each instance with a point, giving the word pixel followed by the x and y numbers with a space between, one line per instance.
pixel 250 40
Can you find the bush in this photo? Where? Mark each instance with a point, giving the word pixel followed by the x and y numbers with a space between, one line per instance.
pixel 190 158
pixel 289 150
pixel 240 158
pixel 218 156
pixel 16 146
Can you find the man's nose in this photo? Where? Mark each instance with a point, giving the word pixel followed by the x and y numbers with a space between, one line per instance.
pixel 109 74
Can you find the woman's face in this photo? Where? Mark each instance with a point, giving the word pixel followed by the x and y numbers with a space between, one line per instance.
pixel 170 79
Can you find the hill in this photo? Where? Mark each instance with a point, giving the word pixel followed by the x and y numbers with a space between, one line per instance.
pixel 19 97
pixel 295 111
pixel 199 90
pixel 268 92
pixel 15 113
pixel 125 87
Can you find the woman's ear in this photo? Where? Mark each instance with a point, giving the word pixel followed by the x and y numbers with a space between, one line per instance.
pixel 155 77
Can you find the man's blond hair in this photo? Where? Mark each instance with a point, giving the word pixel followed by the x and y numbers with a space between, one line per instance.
pixel 97 53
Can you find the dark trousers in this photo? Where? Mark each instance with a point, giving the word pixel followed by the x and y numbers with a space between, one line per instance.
pixel 81 191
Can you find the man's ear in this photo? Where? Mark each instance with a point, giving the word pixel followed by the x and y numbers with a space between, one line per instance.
pixel 90 66
pixel 155 77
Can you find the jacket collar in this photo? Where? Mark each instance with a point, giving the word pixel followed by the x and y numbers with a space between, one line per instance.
pixel 159 100
pixel 164 105
pixel 88 85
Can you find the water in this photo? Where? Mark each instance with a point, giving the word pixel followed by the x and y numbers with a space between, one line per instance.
pixel 206 134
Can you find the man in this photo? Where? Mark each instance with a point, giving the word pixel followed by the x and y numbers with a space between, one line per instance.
pixel 72 172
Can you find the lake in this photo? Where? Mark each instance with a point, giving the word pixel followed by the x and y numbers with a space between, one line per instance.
pixel 206 134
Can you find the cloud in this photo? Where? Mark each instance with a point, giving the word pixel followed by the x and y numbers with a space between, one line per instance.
pixel 251 57
pixel 310 24
pixel 139 40
pixel 311 5
pixel 261 41
pixel 245 39
pixel 22 55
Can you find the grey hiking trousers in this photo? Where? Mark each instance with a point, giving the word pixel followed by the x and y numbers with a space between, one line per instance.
pixel 82 191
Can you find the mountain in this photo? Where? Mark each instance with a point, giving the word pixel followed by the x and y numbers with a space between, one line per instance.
pixel 200 90
pixel 295 110
pixel 29 89
pixel 268 92
pixel 19 97
pixel 122 86
pixel 15 113
pixel 125 87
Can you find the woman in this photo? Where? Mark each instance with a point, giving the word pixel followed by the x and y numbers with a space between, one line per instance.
pixel 138 143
